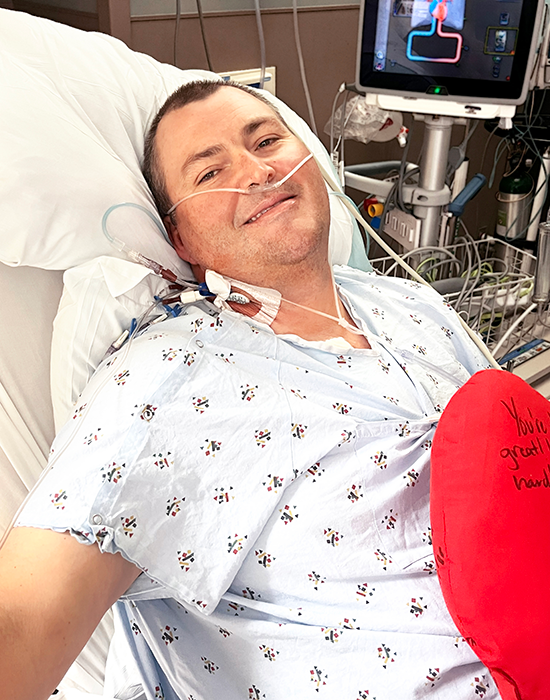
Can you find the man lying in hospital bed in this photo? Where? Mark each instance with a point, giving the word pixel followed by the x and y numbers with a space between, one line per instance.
pixel 251 487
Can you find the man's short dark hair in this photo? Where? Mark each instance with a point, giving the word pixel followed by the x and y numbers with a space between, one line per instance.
pixel 184 95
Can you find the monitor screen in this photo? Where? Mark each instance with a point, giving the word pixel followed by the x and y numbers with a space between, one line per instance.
pixel 447 49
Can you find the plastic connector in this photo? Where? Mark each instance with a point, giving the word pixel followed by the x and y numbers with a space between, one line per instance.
pixel 190 296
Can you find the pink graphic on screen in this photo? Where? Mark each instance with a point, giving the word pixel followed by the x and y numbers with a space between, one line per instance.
pixel 438 11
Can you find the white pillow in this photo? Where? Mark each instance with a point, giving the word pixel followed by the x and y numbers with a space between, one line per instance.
pixel 75 107
pixel 74 112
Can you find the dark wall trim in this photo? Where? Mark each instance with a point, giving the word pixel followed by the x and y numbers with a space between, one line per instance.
pixel 74 18
pixel 246 13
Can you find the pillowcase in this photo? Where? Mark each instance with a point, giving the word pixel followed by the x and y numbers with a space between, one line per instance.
pixel 75 108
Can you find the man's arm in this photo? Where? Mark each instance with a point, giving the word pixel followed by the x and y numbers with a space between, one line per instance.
pixel 53 593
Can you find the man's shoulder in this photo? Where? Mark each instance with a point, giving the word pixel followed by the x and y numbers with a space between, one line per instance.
pixel 354 279
pixel 161 342
pixel 151 357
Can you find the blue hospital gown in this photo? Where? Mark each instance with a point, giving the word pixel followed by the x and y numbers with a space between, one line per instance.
pixel 275 493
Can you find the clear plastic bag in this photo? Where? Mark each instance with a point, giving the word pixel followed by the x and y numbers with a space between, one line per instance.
pixel 364 122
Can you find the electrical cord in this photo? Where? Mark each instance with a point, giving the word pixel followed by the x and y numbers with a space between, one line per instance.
pixel 176 31
pixel 486 146
pixel 513 326
pixel 529 142
pixel 470 300
pixel 468 273
pixel 261 38
pixel 468 289
pixel 428 250
pixel 542 309
pixel 332 117
pixel 498 155
pixel 534 148
pixel 353 209
pixel 402 173
pixel 387 205
pixel 203 33
pixel 343 124
pixel 302 67
pixel 390 198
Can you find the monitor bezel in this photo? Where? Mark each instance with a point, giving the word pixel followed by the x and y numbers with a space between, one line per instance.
pixel 460 90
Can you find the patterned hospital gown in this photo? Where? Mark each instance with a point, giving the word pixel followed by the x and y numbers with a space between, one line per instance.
pixel 275 493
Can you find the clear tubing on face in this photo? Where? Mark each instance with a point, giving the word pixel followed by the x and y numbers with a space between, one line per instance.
pixel 255 190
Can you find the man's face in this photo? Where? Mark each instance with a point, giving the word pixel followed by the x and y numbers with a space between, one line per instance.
pixel 232 139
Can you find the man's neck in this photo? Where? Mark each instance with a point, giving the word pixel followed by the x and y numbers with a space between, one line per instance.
pixel 306 307
pixel 307 324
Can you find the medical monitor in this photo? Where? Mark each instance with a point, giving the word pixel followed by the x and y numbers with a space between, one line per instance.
pixel 463 51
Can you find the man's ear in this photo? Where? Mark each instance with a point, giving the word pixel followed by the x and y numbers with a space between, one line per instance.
pixel 177 241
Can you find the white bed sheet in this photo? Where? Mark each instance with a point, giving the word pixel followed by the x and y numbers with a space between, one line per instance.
pixel 30 297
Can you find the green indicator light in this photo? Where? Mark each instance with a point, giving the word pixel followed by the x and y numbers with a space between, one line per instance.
pixel 437 90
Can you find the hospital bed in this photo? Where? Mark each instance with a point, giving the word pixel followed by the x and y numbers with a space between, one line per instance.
pixel 75 108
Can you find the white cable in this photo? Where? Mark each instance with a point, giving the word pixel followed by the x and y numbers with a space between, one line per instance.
pixel 512 328
pixel 302 67
pixel 332 114
pixel 426 249
pixel 262 41
pixel 409 269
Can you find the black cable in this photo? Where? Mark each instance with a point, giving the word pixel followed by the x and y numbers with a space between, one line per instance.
pixel 486 146
pixel 176 32
pixel 402 168
pixel 201 20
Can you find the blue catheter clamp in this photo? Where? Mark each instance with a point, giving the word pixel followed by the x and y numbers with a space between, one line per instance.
pixel 456 207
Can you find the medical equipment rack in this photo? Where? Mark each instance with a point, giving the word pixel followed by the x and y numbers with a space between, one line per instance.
pixel 488 282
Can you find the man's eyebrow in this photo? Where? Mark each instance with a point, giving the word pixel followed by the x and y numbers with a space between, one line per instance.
pixel 249 129
pixel 201 155
pixel 256 124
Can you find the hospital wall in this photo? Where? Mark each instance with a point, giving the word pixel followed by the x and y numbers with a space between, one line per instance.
pixel 328 38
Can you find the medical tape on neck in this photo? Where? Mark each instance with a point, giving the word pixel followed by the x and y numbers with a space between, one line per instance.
pixel 268 300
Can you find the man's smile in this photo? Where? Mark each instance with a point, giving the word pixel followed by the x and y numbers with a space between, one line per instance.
pixel 269 205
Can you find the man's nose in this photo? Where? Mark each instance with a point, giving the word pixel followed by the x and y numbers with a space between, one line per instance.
pixel 255 171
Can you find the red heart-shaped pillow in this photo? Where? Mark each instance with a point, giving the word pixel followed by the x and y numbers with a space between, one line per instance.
pixel 490 512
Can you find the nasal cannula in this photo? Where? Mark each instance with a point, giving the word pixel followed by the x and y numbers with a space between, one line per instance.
pixel 261 189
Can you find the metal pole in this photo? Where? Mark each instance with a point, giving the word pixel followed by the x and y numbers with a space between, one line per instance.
pixel 437 138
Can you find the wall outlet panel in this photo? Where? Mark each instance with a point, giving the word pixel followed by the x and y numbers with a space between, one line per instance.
pixel 252 77
pixel 403 228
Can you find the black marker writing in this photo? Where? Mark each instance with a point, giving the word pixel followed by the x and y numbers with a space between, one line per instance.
pixel 525 425
pixel 522 451
pixel 530 483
